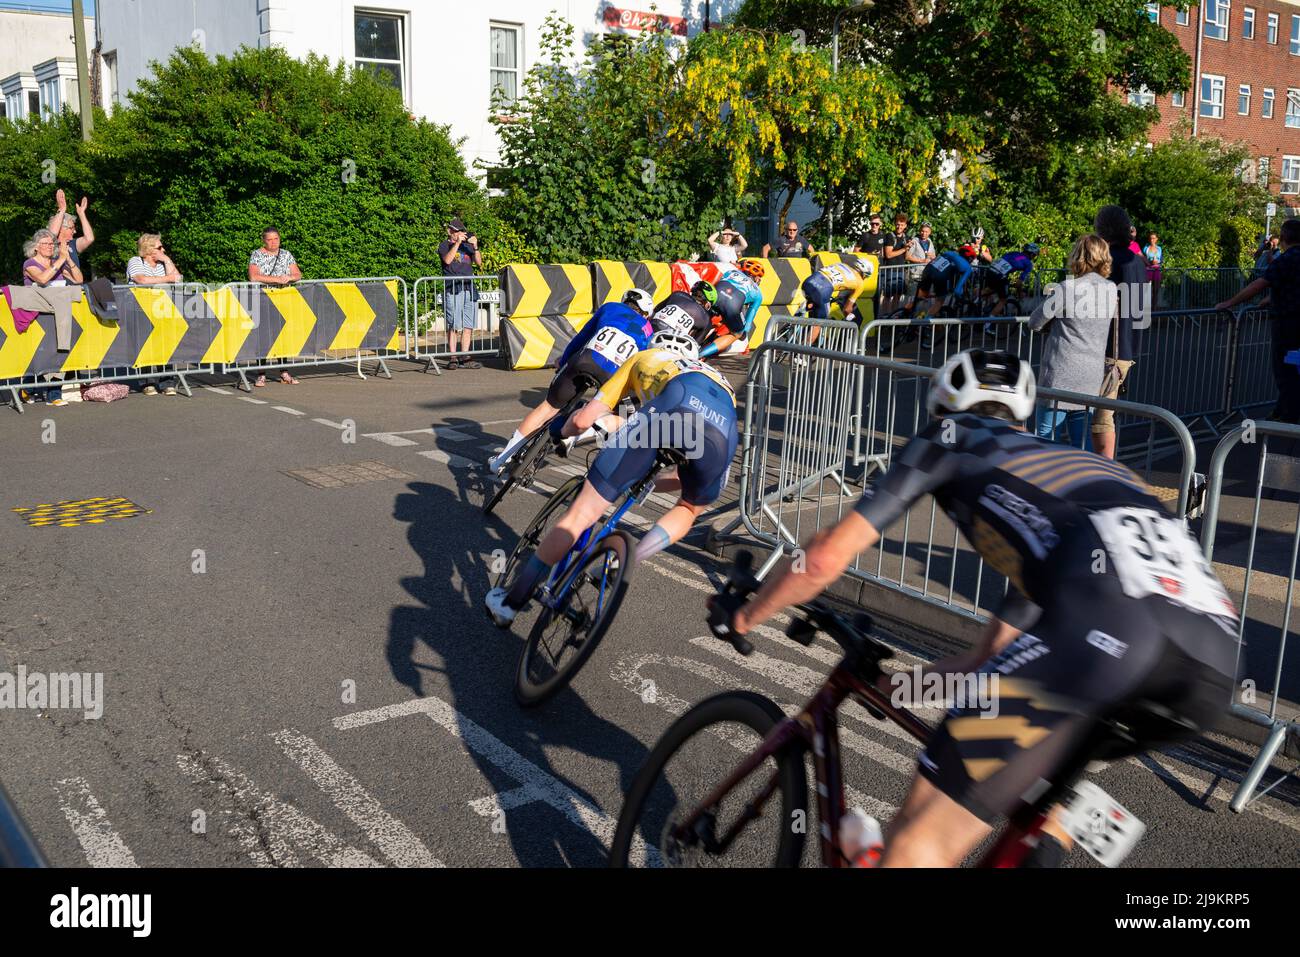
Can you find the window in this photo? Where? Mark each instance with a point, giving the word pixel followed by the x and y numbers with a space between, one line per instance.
pixel 1180 18
pixel 48 97
pixel 1266 109
pixel 1293 109
pixel 380 47
pixel 1243 100
pixel 1153 11
pixel 1216 19
pixel 503 60
pixel 1180 99
pixel 1248 24
pixel 1264 163
pixel 1142 97
pixel 1291 175
pixel 1212 96
pixel 33 103
pixel 1272 28
pixel 1295 35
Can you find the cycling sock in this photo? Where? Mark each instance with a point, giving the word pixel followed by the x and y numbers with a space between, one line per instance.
pixel 1049 852
pixel 526 582
pixel 652 543
pixel 710 350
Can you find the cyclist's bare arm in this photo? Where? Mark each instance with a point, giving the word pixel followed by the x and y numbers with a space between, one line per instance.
pixel 593 412
pixel 825 559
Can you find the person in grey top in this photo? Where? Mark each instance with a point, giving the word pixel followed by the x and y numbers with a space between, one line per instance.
pixel 1082 312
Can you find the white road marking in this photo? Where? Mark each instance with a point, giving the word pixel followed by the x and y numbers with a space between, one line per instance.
pixel 495 804
pixel 550 790
pixel 250 399
pixel 452 461
pixel 1160 765
pixel 270 831
pixel 333 425
pixel 217 391
pixel 102 845
pixel 451 433
pixel 389 438
pixel 390 835
pixel 286 409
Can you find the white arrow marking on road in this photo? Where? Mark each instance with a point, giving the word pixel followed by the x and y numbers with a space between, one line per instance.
pixel 389 834
pixel 102 845
pixel 269 830
pixel 550 790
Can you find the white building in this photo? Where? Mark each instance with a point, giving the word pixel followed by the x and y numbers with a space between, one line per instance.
pixel 445 56
pixel 37 42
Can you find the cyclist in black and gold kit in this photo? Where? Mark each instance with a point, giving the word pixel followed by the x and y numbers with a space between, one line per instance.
pixel 1112 605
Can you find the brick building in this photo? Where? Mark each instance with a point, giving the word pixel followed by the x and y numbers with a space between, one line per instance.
pixel 1245 83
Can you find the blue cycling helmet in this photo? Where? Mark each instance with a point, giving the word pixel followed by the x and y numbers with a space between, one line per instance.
pixel 1032 249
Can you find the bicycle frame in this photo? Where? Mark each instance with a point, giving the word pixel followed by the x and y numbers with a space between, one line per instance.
pixel 817 725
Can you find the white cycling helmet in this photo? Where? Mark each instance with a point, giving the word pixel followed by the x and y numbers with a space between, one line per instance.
pixel 684 346
pixel 639 299
pixel 976 376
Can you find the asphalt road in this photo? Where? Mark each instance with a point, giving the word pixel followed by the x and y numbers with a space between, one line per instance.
pixel 302 675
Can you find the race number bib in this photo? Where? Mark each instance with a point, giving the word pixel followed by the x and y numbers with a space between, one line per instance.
pixel 675 317
pixel 941 264
pixel 613 345
pixel 839 274
pixel 1002 267
pixel 1154 554
pixel 1100 824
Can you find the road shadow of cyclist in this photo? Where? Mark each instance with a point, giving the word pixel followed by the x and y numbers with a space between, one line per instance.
pixel 472 669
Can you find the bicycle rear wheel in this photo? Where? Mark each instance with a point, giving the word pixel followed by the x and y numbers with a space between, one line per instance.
pixel 564 637
pixel 546 516
pixel 696 753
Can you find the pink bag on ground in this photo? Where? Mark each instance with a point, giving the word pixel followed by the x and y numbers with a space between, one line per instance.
pixel 105 391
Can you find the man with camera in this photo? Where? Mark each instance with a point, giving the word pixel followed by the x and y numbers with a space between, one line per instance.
pixel 460 256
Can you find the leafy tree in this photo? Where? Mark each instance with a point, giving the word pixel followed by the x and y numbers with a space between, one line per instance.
pixel 210 152
pixel 587 160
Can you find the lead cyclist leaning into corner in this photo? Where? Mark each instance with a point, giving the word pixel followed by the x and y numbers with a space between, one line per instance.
pixel 1111 605
pixel 685 405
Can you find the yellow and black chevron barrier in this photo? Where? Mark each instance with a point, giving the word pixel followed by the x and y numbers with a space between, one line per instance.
pixel 541 309
pixel 614 278
pixel 194 324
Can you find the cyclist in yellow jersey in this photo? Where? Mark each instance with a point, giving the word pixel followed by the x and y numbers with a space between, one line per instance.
pixel 846 278
pixel 687 407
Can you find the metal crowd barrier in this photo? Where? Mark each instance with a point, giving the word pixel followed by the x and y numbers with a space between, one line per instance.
pixel 427 333
pixel 321 354
pixel 17 846
pixel 1276 471
pixel 797 450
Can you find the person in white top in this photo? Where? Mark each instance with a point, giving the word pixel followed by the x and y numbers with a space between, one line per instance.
pixel 727 244
pixel 150 267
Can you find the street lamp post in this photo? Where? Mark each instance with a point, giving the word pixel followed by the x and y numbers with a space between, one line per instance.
pixel 835 69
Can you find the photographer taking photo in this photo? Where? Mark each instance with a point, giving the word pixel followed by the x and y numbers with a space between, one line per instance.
pixel 460 256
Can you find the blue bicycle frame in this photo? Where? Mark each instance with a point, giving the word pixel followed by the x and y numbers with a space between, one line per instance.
pixel 555 591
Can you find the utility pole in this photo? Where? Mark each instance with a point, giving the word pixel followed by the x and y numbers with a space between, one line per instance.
pixel 84 106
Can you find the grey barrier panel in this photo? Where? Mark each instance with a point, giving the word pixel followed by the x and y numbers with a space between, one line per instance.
pixel 1275 471
pixel 428 334
pixel 797 448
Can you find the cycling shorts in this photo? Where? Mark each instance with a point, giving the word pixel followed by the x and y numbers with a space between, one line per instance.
pixel 694 415
pixel 995 283
pixel 937 282
pixel 820 293
pixel 576 376
pixel 1090 657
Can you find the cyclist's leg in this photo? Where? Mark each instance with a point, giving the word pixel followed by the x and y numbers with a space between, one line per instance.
pixel 559 393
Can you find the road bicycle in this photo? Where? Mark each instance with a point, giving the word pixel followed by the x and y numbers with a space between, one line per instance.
pixel 530 458
pixel 730 823
pixel 584 591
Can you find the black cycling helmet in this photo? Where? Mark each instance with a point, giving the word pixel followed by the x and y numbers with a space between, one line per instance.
pixel 1032 249
pixel 705 294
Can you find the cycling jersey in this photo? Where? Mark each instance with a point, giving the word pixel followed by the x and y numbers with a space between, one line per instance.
pixel 681 313
pixel 732 309
pixel 844 278
pixel 999 273
pixel 753 295
pixel 646 376
pixel 1126 600
pixel 829 283
pixel 614 334
pixel 946 273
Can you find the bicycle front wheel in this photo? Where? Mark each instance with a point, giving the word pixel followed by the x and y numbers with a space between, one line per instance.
pixel 761 821
pixel 565 636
